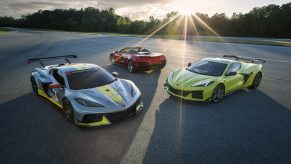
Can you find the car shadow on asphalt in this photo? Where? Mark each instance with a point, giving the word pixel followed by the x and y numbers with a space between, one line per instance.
pixel 30 127
pixel 35 131
pixel 246 127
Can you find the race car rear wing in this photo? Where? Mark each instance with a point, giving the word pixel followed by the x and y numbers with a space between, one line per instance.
pixel 245 59
pixel 40 60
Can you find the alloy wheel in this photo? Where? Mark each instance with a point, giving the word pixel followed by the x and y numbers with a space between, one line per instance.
pixel 34 86
pixel 218 93
pixel 257 80
pixel 68 110
pixel 130 66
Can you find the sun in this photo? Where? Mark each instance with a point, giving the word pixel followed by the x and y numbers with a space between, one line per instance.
pixel 184 7
pixel 186 12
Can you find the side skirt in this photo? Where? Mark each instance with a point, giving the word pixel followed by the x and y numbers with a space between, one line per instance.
pixel 41 93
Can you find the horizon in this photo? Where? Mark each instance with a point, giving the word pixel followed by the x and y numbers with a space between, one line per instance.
pixel 136 10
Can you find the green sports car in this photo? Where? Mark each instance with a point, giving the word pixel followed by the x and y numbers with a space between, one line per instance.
pixel 210 79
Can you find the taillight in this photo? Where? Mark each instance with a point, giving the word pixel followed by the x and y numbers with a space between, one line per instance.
pixel 162 57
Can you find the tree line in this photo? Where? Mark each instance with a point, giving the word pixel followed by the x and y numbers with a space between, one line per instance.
pixel 267 21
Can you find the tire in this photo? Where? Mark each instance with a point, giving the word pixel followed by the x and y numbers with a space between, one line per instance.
pixel 130 67
pixel 34 86
pixel 68 111
pixel 163 66
pixel 111 58
pixel 218 93
pixel 257 81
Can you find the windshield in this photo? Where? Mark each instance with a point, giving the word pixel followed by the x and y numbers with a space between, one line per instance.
pixel 144 50
pixel 210 68
pixel 89 78
pixel 132 50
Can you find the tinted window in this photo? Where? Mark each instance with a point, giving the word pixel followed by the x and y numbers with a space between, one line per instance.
pixel 132 51
pixel 89 78
pixel 210 68
pixel 234 67
pixel 57 75
pixel 128 49
pixel 144 50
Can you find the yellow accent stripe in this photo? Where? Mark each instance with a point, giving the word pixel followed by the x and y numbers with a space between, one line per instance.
pixel 80 67
pixel 104 121
pixel 41 93
pixel 110 92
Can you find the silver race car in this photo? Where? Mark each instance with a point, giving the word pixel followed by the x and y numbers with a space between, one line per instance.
pixel 87 94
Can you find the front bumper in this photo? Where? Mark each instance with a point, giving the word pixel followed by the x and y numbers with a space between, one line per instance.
pixel 197 94
pixel 100 119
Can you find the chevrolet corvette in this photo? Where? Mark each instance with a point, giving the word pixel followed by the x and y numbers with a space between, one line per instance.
pixel 138 58
pixel 87 94
pixel 210 79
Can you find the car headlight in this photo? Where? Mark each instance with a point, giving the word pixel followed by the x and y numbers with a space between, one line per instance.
pixel 202 84
pixel 171 76
pixel 87 103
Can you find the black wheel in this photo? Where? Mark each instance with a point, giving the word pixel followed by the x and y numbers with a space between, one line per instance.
pixel 130 67
pixel 34 86
pixel 218 93
pixel 112 60
pixel 257 80
pixel 164 65
pixel 68 110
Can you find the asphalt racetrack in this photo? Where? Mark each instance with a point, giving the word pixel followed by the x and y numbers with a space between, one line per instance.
pixel 249 126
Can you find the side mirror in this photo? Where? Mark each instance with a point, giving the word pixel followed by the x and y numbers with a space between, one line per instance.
pixel 189 64
pixel 54 86
pixel 231 73
pixel 115 74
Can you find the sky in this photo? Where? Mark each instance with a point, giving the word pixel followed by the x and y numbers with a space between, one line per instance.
pixel 136 9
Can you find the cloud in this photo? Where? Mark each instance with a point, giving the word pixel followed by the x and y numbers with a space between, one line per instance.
pixel 17 8
pixel 135 9
pixel 20 7
pixel 144 12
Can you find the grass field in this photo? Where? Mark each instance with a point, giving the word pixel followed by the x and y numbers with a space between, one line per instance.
pixel 4 30
pixel 238 40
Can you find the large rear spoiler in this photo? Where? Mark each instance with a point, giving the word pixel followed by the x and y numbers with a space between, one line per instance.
pixel 249 60
pixel 40 60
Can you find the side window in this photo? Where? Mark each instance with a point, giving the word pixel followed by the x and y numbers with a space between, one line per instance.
pixel 57 75
pixel 50 71
pixel 233 67
pixel 145 50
